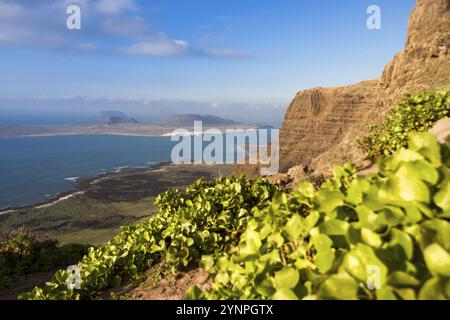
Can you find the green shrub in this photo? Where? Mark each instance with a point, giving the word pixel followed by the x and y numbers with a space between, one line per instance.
pixel 416 113
pixel 389 230
pixel 21 253
pixel 205 219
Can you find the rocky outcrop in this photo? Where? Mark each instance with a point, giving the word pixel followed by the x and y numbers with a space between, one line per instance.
pixel 318 119
pixel 442 130
pixel 322 125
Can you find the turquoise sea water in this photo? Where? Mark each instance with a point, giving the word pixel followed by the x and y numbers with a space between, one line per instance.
pixel 32 169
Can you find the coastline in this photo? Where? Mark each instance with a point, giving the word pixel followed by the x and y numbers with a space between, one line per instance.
pixel 118 130
pixel 43 135
pixel 39 204
pixel 79 185
pixel 59 200
pixel 99 206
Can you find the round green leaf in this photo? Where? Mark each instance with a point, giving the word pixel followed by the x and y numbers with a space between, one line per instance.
pixel 437 259
pixel 286 278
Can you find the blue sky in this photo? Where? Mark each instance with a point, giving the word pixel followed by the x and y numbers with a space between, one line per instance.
pixel 235 54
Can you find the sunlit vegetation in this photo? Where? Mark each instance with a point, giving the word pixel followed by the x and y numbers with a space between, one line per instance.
pixel 416 113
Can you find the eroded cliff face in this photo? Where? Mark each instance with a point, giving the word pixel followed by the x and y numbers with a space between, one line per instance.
pixel 322 125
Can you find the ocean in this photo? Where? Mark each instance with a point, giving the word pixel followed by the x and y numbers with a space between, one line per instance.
pixel 34 169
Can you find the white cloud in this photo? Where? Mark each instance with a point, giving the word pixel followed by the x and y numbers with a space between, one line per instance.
pixel 226 53
pixel 42 23
pixel 114 7
pixel 215 104
pixel 9 9
pixel 31 24
pixel 160 47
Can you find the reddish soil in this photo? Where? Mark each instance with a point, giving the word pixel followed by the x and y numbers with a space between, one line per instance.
pixel 169 288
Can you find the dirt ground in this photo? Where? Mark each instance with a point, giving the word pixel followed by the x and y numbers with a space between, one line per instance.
pixel 169 288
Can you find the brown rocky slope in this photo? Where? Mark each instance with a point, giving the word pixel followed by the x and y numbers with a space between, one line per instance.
pixel 322 125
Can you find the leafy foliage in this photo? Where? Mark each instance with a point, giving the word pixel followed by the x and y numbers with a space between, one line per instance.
pixel 205 219
pixel 416 113
pixel 21 253
pixel 384 236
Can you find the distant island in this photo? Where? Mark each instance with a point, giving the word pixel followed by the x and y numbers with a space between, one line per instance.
pixel 188 119
pixel 116 117
pixel 119 123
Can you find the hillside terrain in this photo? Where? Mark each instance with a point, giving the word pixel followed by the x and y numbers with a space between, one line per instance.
pixel 99 206
pixel 312 242
pixel 334 232
pixel 92 215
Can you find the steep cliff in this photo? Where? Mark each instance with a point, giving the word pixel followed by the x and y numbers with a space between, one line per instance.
pixel 322 125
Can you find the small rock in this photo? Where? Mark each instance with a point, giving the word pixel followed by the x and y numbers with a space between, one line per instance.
pixel 442 129
pixel 297 173
pixel 281 179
